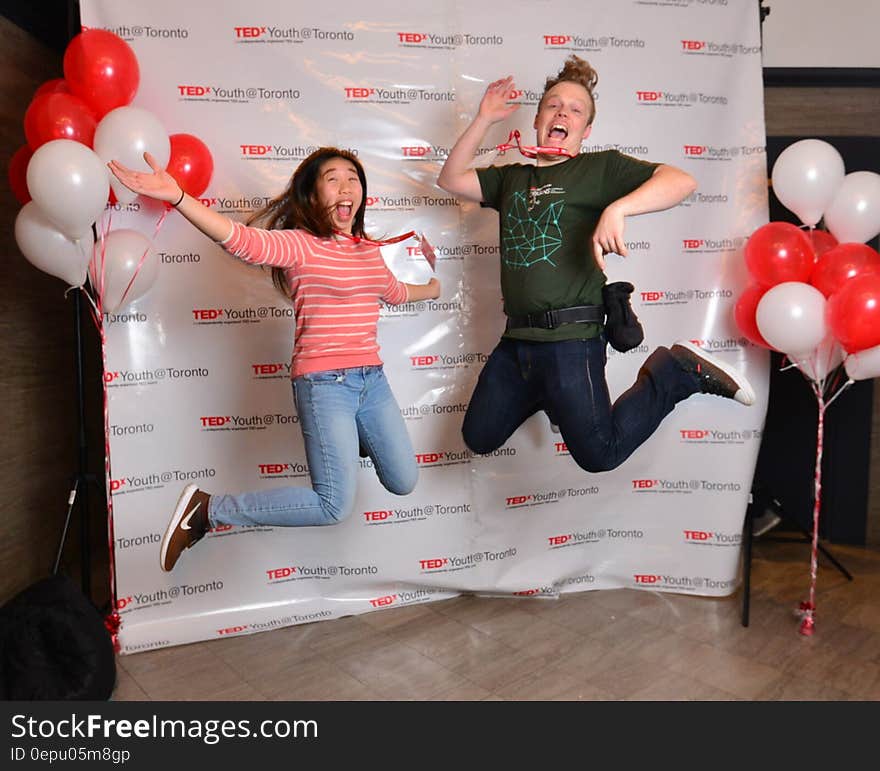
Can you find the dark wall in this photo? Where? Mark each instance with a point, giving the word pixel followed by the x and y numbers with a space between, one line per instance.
pixel 39 452
pixel 50 22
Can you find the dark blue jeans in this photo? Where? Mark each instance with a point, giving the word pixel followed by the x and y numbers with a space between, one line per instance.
pixel 567 379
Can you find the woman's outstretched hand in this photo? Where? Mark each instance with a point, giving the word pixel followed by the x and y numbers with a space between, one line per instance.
pixel 159 184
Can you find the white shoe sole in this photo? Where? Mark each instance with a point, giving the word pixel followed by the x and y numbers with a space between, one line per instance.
pixel 745 394
pixel 179 511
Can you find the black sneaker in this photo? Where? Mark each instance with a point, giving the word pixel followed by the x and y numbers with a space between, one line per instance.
pixel 714 375
pixel 188 525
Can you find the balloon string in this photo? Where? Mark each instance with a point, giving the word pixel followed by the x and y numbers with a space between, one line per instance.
pixel 112 620
pixel 137 268
pixel 846 385
pixel 105 230
pixel 808 608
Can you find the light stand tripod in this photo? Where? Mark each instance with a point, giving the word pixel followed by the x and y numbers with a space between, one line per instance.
pixel 81 479
pixel 761 499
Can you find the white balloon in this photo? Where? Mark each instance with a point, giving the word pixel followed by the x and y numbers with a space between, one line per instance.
pixel 791 317
pixel 124 135
pixel 863 365
pixel 48 249
pixel 854 214
pixel 70 184
pixel 114 271
pixel 817 365
pixel 806 176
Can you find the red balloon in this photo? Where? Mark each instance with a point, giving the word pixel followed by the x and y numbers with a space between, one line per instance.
pixel 54 86
pixel 101 69
pixel 190 163
pixel 58 116
pixel 821 240
pixel 842 263
pixel 18 164
pixel 744 314
pixel 777 252
pixel 854 313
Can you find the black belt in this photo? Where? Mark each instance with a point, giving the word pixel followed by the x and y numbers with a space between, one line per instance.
pixel 579 314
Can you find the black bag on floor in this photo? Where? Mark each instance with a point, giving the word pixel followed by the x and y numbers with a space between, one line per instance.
pixel 622 328
pixel 54 645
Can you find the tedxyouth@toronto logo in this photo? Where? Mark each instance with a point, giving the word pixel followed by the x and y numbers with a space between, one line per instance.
pixel 544 497
pixel 692 47
pixel 283 470
pixel 678 583
pixel 166 595
pixel 121 378
pixel 371 94
pixel 288 573
pixel 446 41
pixel 233 94
pixel 241 315
pixel 156 480
pixel 717 436
pixel 593 43
pixel 694 152
pixel 246 422
pixel 274 623
pixel 405 515
pixel 679 99
pixel 404 597
pixel 711 538
pixel 268 34
pixel 459 562
pixel 683 486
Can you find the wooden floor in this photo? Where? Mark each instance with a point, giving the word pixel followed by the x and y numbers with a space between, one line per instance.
pixel 601 645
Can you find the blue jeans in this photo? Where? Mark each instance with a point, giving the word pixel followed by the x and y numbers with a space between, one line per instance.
pixel 338 411
pixel 567 379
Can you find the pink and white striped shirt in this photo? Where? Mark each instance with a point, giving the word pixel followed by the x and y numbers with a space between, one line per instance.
pixel 336 286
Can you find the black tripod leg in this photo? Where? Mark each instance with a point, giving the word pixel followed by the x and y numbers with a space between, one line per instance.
pixel 809 536
pixel 71 500
pixel 747 564
pixel 834 562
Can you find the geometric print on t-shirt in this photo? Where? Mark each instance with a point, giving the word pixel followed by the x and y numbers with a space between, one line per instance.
pixel 529 240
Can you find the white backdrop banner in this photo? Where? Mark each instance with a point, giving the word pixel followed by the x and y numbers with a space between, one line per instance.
pixel 198 369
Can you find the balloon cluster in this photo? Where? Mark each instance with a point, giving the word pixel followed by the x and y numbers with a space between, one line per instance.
pixel 73 127
pixel 815 294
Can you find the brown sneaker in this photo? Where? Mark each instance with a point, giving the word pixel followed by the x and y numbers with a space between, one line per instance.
pixel 714 375
pixel 188 525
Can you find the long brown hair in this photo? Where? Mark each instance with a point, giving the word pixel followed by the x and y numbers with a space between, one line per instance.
pixel 297 206
pixel 576 70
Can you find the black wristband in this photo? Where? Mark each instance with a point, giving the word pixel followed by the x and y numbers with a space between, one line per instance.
pixel 182 194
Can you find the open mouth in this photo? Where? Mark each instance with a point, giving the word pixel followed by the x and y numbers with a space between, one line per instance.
pixel 557 131
pixel 343 210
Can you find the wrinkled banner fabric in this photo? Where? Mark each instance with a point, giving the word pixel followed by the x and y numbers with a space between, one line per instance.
pixel 198 369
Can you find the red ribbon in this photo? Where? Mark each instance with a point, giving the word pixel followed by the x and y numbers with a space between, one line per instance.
pixel 427 249
pixel 530 151
pixel 112 622
pixel 377 241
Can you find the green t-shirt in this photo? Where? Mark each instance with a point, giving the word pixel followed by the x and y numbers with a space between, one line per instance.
pixel 547 218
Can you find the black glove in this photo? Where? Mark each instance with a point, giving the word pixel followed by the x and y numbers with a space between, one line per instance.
pixel 622 328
